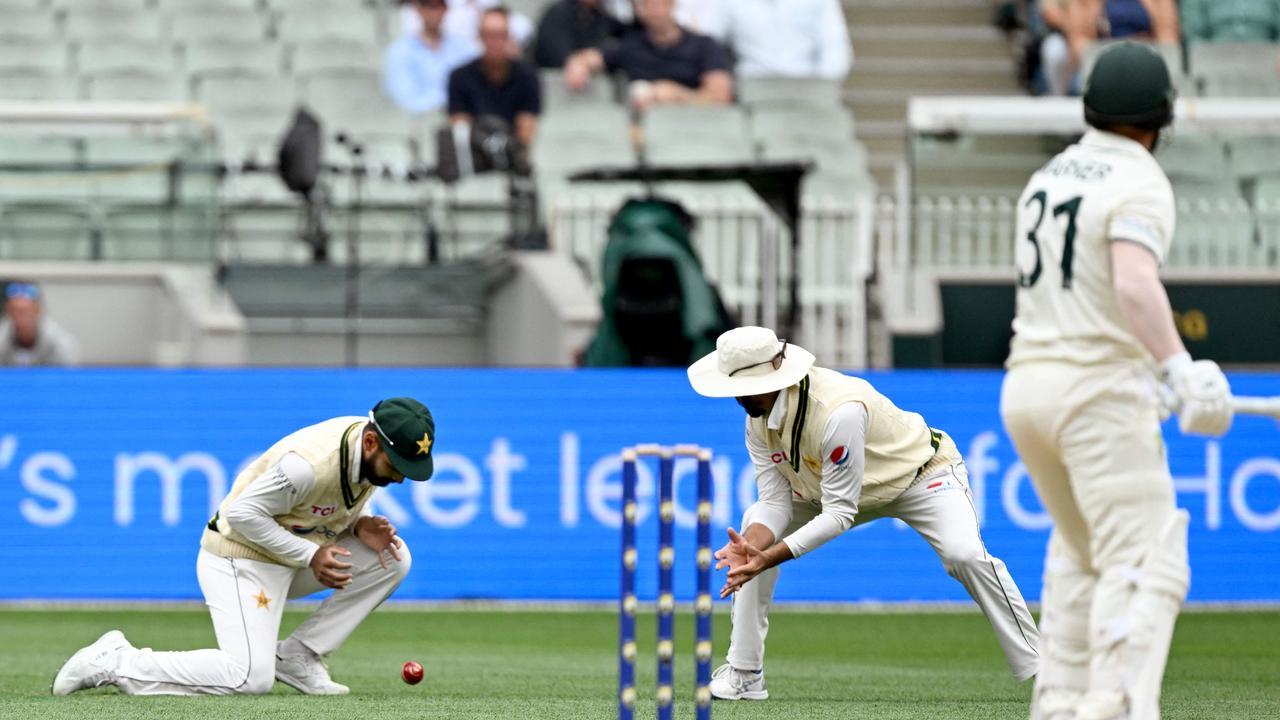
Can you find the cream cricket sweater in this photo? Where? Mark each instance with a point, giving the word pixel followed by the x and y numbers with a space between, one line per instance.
pixel 332 448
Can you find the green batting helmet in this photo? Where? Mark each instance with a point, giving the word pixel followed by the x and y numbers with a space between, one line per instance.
pixel 1129 85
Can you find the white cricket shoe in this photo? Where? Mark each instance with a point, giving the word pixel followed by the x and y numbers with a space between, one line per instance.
pixel 306 673
pixel 730 683
pixel 92 666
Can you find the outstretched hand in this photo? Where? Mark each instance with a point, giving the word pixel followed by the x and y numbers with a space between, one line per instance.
pixel 379 535
pixel 743 559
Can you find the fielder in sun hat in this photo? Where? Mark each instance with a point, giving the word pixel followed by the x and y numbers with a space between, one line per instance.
pixel 749 361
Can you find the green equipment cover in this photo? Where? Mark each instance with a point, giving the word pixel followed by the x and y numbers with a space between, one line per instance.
pixel 658 307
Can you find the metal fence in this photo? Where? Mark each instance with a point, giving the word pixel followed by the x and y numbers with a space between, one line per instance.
pixel 1213 233
pixel 746 252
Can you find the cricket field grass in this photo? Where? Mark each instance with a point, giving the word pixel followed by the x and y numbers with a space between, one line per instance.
pixel 531 665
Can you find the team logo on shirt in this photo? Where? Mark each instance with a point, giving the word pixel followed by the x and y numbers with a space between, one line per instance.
pixel 323 510
pixel 840 455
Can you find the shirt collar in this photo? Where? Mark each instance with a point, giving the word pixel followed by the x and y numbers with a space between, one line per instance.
pixel 1112 141
pixel 778 416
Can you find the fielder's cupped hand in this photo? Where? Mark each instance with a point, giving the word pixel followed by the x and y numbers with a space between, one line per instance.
pixel 379 535
pixel 329 569
pixel 743 559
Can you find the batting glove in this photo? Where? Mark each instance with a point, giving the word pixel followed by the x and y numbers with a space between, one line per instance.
pixel 1204 395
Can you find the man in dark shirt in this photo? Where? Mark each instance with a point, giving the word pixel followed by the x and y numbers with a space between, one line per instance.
pixel 663 62
pixel 496 83
pixel 571 25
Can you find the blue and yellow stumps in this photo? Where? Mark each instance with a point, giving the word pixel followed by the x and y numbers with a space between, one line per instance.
pixel 702 602
pixel 665 649
pixel 627 595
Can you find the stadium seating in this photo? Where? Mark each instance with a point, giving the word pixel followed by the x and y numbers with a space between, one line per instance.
pixel 224 56
pixel 1214 21
pixel 1193 157
pixel 556 94
pixel 46 230
pixel 1255 157
pixel 317 20
pixel 38 24
pixel 1172 55
pixel 229 23
pixel 313 58
pixel 692 135
pixel 1235 69
pixel 113 23
pixel 27 54
pixel 789 91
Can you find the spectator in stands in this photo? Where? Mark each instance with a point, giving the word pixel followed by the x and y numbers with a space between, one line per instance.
pixel 698 15
pixel 496 84
pixel 1231 20
pixel 569 26
pixel 797 37
pixel 463 20
pixel 1085 21
pixel 663 62
pixel 27 337
pixel 416 72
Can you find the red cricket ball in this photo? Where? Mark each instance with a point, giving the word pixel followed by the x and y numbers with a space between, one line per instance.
pixel 412 672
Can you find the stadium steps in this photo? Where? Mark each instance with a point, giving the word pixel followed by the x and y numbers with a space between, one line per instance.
pixel 936 76
pixel 866 13
pixel 931 41
pixel 906 48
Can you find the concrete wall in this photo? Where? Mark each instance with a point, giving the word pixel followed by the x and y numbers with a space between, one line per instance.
pixel 544 316
pixel 140 313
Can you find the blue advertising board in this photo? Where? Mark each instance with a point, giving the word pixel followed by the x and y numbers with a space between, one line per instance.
pixel 107 478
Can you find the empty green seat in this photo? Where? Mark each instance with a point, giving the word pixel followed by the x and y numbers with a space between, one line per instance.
pixel 697 135
pixel 1192 156
pixel 1230 20
pixel 48 230
pixel 1253 157
pixel 790 91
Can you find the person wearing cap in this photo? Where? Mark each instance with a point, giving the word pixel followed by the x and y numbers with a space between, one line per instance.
pixel 1093 337
pixel 29 338
pixel 295 522
pixel 832 453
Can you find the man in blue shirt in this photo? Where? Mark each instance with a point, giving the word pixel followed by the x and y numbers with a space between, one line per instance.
pixel 497 84
pixel 663 62
pixel 418 66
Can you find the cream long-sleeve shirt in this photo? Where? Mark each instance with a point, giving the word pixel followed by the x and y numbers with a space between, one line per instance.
pixel 276 492
pixel 843 440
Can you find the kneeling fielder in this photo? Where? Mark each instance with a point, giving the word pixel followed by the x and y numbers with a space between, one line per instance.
pixel 294 524
pixel 831 453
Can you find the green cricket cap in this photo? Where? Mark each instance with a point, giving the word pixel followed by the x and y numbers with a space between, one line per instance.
pixel 408 433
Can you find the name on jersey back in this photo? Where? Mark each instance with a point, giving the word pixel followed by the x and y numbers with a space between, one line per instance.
pixel 1085 171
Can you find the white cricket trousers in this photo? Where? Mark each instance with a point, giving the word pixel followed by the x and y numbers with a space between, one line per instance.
pixel 246 600
pixel 1116 567
pixel 940 508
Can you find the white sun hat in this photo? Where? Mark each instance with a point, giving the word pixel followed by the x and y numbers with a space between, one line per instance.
pixel 749 361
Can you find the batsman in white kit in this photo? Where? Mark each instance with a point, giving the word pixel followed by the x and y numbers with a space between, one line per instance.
pixel 295 522
pixel 1080 401
pixel 832 453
